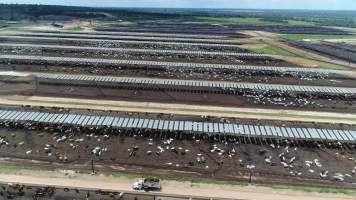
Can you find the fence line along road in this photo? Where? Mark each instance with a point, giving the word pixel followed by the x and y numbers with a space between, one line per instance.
pixel 172 83
pixel 64 35
pixel 103 41
pixel 195 127
pixel 168 65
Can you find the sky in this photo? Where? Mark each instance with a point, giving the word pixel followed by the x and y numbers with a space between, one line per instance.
pixel 248 4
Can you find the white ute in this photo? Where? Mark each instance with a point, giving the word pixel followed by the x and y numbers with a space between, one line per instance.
pixel 147 184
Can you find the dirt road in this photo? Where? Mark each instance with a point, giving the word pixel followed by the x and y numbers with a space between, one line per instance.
pixel 306 57
pixel 183 109
pixel 310 54
pixel 168 187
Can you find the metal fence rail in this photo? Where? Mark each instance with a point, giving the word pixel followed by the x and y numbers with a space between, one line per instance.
pixel 184 126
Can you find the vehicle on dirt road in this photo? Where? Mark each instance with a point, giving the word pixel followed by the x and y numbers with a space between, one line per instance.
pixel 147 184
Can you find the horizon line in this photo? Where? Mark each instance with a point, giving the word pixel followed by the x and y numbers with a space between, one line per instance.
pixel 125 7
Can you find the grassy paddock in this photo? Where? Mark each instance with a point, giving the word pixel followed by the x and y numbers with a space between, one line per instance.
pixel 300 23
pixel 230 20
pixel 75 28
pixel 248 20
pixel 314 37
pixel 275 50
pixel 269 49
pixel 272 50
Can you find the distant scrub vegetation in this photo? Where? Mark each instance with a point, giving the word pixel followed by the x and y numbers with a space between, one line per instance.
pixel 15 12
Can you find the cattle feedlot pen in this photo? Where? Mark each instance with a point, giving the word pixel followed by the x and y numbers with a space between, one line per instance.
pixel 62 47
pixel 204 84
pixel 138 34
pixel 186 83
pixel 194 127
pixel 126 37
pixel 163 64
pixel 116 41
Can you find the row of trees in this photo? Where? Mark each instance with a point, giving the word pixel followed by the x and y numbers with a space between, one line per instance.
pixel 36 12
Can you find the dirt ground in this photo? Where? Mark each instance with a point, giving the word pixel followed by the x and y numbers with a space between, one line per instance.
pixel 298 60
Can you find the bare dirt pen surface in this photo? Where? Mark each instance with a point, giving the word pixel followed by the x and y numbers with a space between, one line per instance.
pixel 298 60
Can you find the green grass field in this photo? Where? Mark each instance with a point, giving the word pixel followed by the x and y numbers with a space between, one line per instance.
pixel 230 20
pixel 314 37
pixel 300 23
pixel 4 29
pixel 272 50
pixel 75 28
pixel 275 50
pixel 247 20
